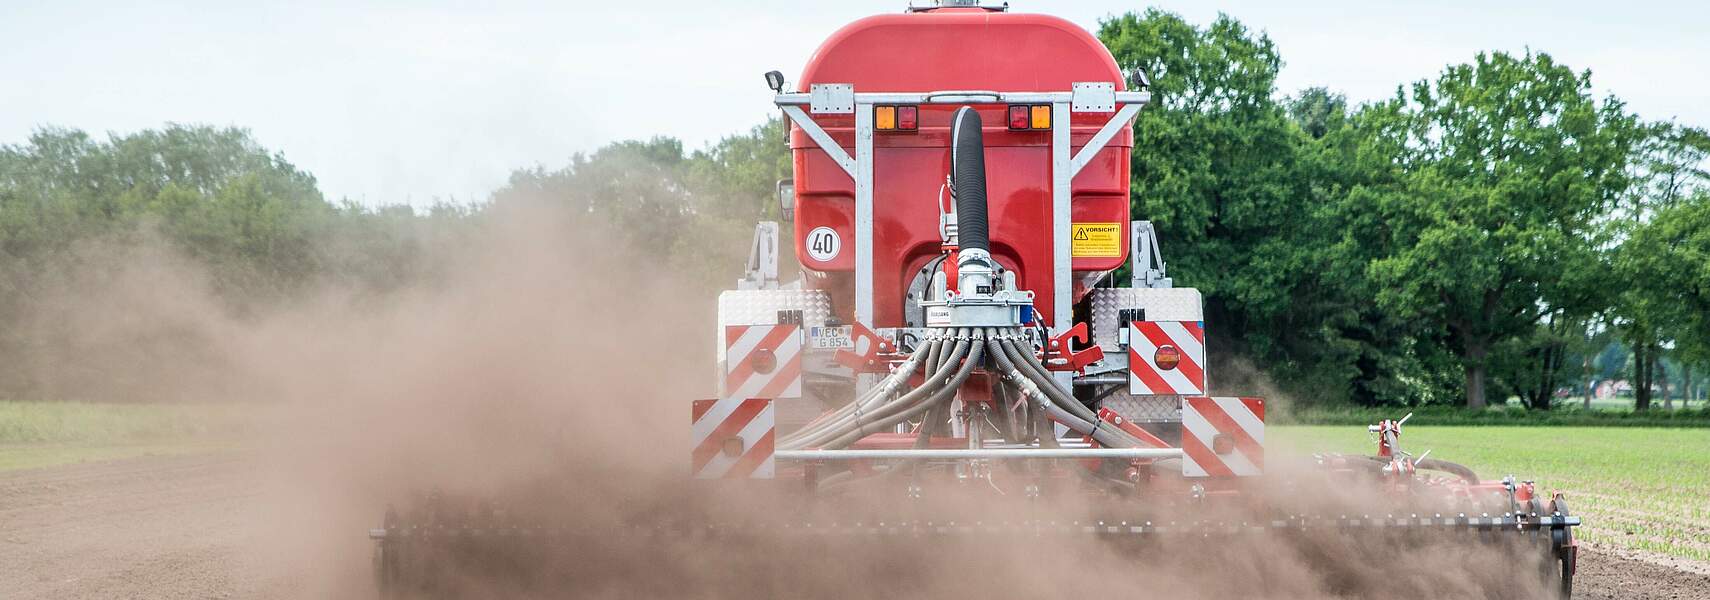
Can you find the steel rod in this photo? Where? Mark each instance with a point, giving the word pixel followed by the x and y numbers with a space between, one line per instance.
pixel 966 453
pixel 1102 380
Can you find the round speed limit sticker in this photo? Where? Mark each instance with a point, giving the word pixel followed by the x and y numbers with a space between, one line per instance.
pixel 823 244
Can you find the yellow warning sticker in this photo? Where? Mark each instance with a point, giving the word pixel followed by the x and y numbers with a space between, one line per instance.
pixel 1095 240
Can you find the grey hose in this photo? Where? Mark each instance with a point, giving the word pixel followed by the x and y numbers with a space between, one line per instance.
pixel 900 411
pixel 870 400
pixel 880 413
pixel 894 380
pixel 1042 383
pixel 943 393
pixel 931 362
pixel 1035 417
pixel 1055 403
pixel 1003 354
pixel 1064 401
pixel 1061 409
pixel 927 388
pixel 1035 370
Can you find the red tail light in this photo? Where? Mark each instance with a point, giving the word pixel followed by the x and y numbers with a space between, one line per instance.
pixel 1222 444
pixel 1018 117
pixel 908 118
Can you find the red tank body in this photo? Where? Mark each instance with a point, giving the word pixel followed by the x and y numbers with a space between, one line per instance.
pixel 956 49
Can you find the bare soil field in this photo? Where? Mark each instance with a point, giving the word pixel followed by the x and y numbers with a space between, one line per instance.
pixel 208 525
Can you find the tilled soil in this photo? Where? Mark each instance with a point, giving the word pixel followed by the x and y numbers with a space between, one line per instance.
pixel 1605 575
pixel 149 527
pixel 198 527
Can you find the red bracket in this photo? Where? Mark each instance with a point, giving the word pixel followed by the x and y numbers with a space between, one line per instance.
pixel 1059 356
pixel 1109 416
pixel 870 361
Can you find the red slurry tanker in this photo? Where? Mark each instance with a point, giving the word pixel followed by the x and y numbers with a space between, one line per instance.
pixel 959 210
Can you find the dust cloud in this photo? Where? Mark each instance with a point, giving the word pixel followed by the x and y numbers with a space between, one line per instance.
pixel 553 373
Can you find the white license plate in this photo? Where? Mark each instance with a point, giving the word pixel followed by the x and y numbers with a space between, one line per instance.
pixel 829 338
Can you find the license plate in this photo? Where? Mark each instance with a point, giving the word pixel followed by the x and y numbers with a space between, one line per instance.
pixel 831 338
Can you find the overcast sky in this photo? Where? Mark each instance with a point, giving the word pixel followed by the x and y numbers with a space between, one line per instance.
pixel 408 101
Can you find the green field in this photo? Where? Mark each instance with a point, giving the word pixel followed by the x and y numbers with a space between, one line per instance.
pixel 1698 416
pixel 45 434
pixel 1640 488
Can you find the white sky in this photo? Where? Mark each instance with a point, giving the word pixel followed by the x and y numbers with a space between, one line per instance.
pixel 391 102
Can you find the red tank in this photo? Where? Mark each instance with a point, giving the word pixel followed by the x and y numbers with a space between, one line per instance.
pixel 957 49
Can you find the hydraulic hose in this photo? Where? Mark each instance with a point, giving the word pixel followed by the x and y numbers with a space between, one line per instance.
pixel 1043 377
pixel 974 352
pixel 1041 425
pixel 924 355
pixel 1070 412
pixel 1003 353
pixel 918 401
pixel 932 357
pixel 1376 465
pixel 968 179
pixel 1432 464
pixel 870 416
pixel 1058 405
pixel 946 368
pixel 1030 368
pixel 929 387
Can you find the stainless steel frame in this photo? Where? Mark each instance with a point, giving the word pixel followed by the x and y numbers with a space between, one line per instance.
pixel 833 98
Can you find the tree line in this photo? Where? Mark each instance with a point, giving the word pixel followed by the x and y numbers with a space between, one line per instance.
pixel 1491 232
pixel 1476 236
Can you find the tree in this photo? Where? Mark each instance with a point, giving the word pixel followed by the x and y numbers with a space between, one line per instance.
pixel 692 210
pixel 73 208
pixel 739 174
pixel 1670 179
pixel 1664 268
pixel 253 217
pixel 1218 166
pixel 1673 165
pixel 1318 111
pixel 1489 183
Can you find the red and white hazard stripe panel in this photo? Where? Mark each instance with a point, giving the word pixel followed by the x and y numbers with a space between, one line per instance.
pixel 733 439
pixel 1223 437
pixel 1166 358
pixel 762 361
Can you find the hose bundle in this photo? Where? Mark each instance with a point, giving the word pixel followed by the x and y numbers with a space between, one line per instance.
pixel 946 361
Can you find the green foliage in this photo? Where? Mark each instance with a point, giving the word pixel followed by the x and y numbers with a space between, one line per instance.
pixel 1219 167
pixel 742 171
pixel 1665 266
pixel 1318 111
pixel 1453 239
pixel 254 223
pixel 1485 189
pixel 1660 264
pixel 694 211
